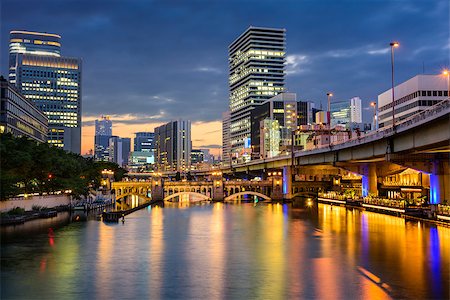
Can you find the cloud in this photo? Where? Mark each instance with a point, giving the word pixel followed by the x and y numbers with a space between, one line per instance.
pixel 295 63
pixel 208 70
pixel 378 51
pixel 211 146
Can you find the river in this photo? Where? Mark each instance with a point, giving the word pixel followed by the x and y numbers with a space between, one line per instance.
pixel 227 251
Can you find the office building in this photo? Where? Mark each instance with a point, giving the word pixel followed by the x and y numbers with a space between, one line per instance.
pixel 289 114
pixel 51 81
pixel 196 156
pixel 173 146
pixel 103 131
pixel 119 150
pixel 270 138
pixel 19 116
pixel 144 141
pixel 355 110
pixel 256 73
pixel 226 138
pixel 411 97
pixel 340 113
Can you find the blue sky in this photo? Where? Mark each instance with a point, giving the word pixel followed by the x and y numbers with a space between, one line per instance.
pixel 154 61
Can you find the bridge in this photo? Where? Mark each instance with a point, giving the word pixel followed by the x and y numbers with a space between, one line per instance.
pixel 415 153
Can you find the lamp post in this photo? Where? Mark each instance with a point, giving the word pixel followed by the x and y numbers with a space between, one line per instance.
pixel 329 95
pixel 374 105
pixel 393 45
pixel 446 72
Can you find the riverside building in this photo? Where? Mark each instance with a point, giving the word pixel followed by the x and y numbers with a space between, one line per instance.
pixel 51 81
pixel 256 73
pixel 411 97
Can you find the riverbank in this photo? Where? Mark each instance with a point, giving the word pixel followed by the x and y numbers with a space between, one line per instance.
pixel 19 216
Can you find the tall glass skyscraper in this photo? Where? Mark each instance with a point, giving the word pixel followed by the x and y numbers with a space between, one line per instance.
pixel 51 81
pixel 256 63
pixel 103 131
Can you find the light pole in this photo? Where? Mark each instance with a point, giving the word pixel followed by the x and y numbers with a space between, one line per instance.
pixel 393 45
pixel 446 72
pixel 329 95
pixel 374 105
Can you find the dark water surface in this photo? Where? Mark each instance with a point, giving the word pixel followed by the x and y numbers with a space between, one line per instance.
pixel 228 251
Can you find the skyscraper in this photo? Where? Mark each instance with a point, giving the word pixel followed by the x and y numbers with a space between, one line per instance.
pixel 119 150
pixel 173 146
pixel 355 110
pixel 51 81
pixel 103 131
pixel 256 63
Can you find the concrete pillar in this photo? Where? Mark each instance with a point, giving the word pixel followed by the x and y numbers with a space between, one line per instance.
pixel 277 186
pixel 157 189
pixel 287 182
pixel 369 180
pixel 217 190
pixel 439 182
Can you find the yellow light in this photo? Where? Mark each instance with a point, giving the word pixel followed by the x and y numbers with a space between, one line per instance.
pixel 445 72
pixel 372 104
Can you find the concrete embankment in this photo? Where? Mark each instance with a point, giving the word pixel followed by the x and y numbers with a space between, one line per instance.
pixel 49 201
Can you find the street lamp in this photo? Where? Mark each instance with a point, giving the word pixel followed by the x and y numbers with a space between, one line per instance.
pixel 374 105
pixel 446 72
pixel 329 95
pixel 393 45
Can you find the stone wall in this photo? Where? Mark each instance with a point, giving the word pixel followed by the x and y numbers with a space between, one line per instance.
pixel 27 203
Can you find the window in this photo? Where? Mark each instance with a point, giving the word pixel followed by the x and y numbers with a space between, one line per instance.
pixel 434 93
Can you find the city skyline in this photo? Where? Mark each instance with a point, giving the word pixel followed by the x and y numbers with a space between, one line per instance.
pixel 153 85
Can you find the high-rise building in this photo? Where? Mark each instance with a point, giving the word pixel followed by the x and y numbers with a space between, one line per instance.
pixel 257 70
pixel 173 146
pixel 355 110
pixel 226 138
pixel 196 156
pixel 103 131
pixel 411 97
pixel 144 141
pixel 19 116
pixel 51 81
pixel 119 150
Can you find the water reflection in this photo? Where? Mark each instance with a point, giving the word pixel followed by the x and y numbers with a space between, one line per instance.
pixel 227 250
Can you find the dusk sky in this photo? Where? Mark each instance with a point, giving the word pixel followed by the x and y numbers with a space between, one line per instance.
pixel 149 62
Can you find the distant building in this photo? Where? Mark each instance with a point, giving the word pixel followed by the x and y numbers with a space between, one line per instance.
pixel 270 138
pixel 141 161
pixel 196 156
pixel 144 141
pixel 51 81
pixel 412 96
pixel 355 110
pixel 119 150
pixel 103 131
pixel 340 113
pixel 19 116
pixel 226 138
pixel 256 73
pixel 173 146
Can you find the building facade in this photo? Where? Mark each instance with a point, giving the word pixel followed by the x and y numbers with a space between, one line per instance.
pixel 256 73
pixel 19 116
pixel 103 131
pixel 411 97
pixel 173 146
pixel 51 81
pixel 144 142
pixel 226 138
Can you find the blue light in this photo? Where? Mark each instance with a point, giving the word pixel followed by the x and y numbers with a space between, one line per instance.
pixel 365 186
pixel 285 180
pixel 434 189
